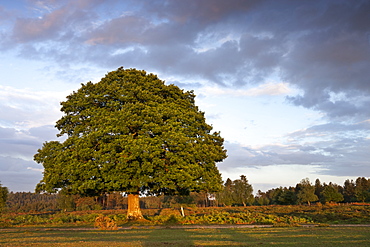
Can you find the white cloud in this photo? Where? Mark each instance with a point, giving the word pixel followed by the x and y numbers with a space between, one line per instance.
pixel 267 89
pixel 24 108
pixel 35 169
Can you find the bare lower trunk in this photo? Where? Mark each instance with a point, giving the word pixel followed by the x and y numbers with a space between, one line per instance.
pixel 133 211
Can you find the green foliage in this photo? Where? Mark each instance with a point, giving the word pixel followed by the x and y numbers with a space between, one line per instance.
pixel 362 190
pixel 3 197
pixel 270 215
pixel 87 203
pixel 130 132
pixel 262 198
pixel 176 201
pixel 331 194
pixel 225 196
pixel 306 193
pixel 242 192
pixel 349 193
pixel 237 192
pixel 66 202
pixel 31 202
pixel 287 197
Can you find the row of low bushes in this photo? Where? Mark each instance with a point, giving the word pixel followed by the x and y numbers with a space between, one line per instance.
pixel 274 215
pixel 230 218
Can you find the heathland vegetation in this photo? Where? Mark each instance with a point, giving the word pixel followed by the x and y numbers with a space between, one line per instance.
pixel 132 135
pixel 233 193
pixel 224 207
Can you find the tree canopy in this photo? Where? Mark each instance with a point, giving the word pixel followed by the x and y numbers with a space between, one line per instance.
pixel 132 133
pixel 3 197
pixel 306 192
pixel 237 192
pixel 331 194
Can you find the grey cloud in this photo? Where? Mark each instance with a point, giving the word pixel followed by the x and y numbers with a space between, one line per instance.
pixel 17 147
pixel 186 85
pixel 4 14
pixel 18 174
pixel 240 156
pixel 27 29
pixel 341 156
pixel 346 147
pixel 125 29
pixel 333 127
pixel 28 112
pixel 56 24
pixel 321 47
pixel 203 12
pixel 332 58
pixel 7 132
pixel 351 158
pixel 18 143
pixel 44 133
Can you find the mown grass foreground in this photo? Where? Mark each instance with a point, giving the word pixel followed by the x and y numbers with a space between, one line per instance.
pixel 272 236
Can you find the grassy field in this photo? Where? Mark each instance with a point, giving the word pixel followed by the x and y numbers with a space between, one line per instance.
pixel 272 236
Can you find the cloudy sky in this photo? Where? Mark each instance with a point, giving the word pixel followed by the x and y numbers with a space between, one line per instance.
pixel 286 82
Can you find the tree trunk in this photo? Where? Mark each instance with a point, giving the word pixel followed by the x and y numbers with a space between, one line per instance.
pixel 133 211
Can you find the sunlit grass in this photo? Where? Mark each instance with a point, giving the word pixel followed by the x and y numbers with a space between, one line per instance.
pixel 294 236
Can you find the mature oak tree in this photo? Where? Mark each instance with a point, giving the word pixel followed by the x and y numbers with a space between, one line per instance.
pixel 131 133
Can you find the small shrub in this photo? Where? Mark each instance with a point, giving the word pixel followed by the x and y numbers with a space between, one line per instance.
pixel 5 224
pixel 169 212
pixel 172 220
pixel 105 223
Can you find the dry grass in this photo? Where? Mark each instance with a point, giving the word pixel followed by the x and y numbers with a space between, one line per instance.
pixel 273 236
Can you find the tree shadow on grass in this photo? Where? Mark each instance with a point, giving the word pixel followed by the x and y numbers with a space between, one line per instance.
pixel 193 237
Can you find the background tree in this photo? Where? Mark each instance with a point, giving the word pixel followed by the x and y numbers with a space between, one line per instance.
pixel 331 194
pixel 132 133
pixel 362 189
pixel 237 192
pixel 225 196
pixel 242 191
pixel 349 192
pixel 274 194
pixel 287 196
pixel 28 201
pixel 318 188
pixel 66 202
pixel 306 192
pixel 261 198
pixel 3 197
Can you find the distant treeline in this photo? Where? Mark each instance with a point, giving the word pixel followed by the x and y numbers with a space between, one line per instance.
pixel 235 193
pixel 28 202
pixel 305 192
